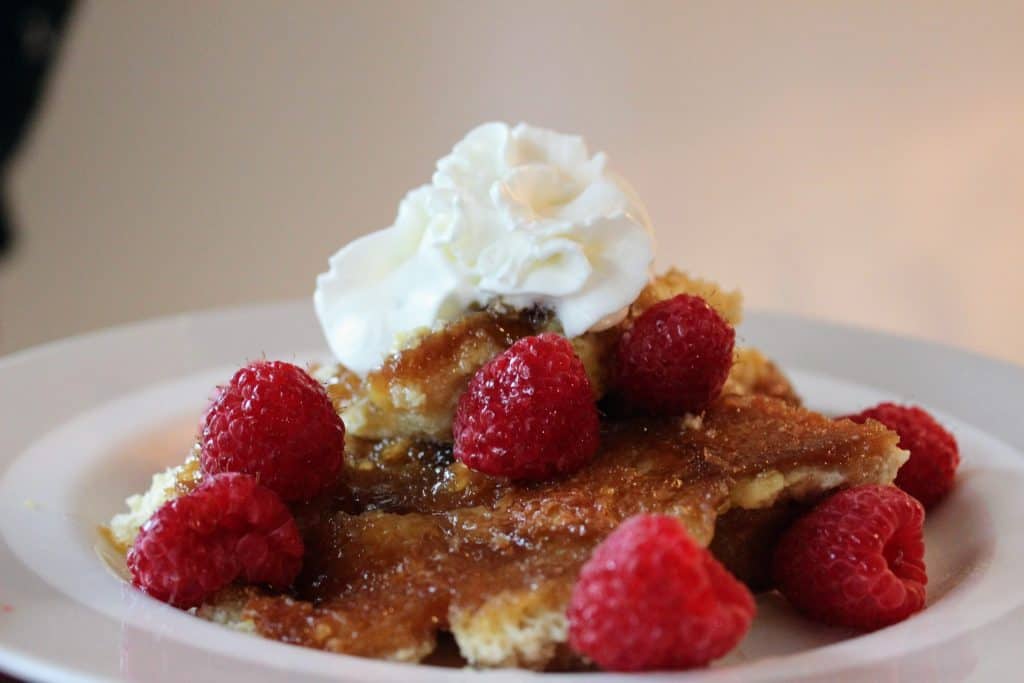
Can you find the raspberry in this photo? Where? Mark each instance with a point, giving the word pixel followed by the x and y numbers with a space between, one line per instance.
pixel 856 560
pixel 275 422
pixel 934 456
pixel 229 527
pixel 651 598
pixel 529 413
pixel 676 357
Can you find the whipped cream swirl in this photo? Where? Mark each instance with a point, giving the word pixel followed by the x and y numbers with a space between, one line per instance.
pixel 518 217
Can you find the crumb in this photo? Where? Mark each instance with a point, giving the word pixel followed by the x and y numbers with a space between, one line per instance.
pixel 694 422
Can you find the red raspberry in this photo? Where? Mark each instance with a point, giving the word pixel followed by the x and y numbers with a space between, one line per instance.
pixel 651 598
pixel 676 357
pixel 856 560
pixel 275 422
pixel 529 413
pixel 934 455
pixel 229 527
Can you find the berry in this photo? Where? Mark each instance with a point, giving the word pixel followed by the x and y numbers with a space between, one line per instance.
pixel 676 357
pixel 229 527
pixel 934 456
pixel 275 422
pixel 529 413
pixel 856 560
pixel 651 598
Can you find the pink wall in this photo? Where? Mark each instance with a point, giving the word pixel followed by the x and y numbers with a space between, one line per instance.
pixel 858 161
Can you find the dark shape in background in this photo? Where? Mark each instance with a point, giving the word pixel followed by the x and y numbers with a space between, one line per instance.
pixel 30 34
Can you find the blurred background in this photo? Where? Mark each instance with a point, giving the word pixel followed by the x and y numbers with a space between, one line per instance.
pixel 856 161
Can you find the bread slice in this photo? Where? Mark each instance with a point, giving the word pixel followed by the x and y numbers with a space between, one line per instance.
pixel 437 548
pixel 414 545
pixel 415 392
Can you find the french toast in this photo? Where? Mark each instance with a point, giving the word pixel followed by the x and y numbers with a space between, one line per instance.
pixel 415 391
pixel 751 373
pixel 529 444
pixel 415 544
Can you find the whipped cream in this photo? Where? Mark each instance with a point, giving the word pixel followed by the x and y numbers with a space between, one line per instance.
pixel 518 217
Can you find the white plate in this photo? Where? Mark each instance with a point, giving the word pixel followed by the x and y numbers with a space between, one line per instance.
pixel 86 421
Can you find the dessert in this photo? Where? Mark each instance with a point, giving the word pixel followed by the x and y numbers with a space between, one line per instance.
pixel 516 397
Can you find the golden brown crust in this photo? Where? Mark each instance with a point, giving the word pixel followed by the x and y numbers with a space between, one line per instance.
pixel 413 543
pixel 415 392
pixel 728 303
pixel 752 373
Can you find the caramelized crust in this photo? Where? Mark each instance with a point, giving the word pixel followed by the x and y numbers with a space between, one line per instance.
pixel 752 373
pixel 672 282
pixel 414 544
pixel 414 394
pixel 416 390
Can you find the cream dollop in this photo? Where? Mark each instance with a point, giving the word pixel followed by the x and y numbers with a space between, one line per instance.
pixel 518 216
